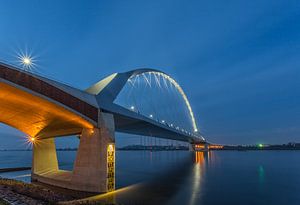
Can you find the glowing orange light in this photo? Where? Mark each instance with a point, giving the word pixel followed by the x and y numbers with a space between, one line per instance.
pixel 31 140
pixel 215 147
pixel 13 101
pixel 110 167
pixel 199 157
pixel 110 148
pixel 199 146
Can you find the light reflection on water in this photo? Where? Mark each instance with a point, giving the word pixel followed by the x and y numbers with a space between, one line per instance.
pixel 199 161
pixel 216 177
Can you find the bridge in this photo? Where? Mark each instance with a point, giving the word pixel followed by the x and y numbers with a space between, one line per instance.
pixel 44 109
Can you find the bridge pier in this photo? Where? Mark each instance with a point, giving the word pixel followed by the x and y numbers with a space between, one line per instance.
pixel 94 166
pixel 44 157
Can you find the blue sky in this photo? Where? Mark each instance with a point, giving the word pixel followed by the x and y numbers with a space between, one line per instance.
pixel 238 61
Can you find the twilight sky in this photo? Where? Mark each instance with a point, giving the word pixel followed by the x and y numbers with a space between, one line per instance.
pixel 238 61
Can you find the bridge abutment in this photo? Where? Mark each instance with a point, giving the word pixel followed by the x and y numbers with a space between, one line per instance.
pixel 90 171
pixel 94 166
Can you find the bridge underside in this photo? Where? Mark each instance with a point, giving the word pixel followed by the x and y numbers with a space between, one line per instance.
pixel 37 116
pixel 43 119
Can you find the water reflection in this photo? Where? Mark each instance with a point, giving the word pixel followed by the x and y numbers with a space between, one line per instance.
pixel 157 178
pixel 199 162
pixel 199 157
pixel 261 174
pixel 261 178
pixel 181 184
pixel 215 177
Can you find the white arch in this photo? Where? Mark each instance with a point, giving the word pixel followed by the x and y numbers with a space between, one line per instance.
pixel 108 89
pixel 180 90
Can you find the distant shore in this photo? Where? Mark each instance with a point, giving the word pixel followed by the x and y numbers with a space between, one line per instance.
pixel 288 146
pixel 14 169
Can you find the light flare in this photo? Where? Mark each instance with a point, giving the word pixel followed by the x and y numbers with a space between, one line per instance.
pixel 30 141
pixel 26 60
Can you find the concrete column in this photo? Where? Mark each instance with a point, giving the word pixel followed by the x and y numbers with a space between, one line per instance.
pixel 93 168
pixel 44 157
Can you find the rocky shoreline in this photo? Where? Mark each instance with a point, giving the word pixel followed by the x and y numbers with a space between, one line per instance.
pixel 17 193
pixel 9 197
pixel 14 192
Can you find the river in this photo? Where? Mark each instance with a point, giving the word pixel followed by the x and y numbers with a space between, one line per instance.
pixel 183 177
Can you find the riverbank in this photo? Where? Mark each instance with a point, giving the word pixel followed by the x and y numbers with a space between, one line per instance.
pixel 14 192
pixel 3 202
pixel 17 192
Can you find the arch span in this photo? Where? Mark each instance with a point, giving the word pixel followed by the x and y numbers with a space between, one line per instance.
pixel 108 89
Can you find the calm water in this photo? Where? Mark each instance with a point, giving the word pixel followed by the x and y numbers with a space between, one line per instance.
pixel 218 177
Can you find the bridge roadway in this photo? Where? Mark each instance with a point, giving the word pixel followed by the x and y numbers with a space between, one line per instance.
pixel 86 105
pixel 44 109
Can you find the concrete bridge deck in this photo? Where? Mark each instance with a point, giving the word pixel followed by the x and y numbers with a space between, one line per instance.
pixel 45 109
